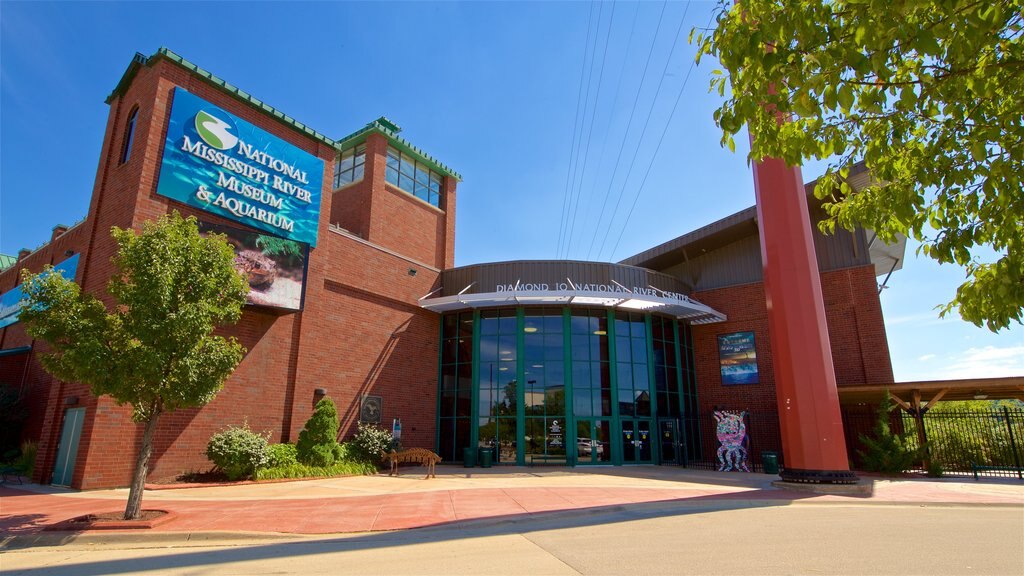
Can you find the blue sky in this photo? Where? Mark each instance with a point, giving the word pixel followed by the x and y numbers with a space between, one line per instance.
pixel 492 89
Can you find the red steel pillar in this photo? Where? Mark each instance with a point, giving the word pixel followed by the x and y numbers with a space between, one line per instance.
pixel 805 380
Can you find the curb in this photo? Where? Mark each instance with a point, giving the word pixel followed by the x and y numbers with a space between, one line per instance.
pixel 83 523
pixel 141 539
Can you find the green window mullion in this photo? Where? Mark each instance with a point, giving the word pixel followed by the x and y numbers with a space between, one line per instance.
pixel 652 387
pixel 680 367
pixel 613 375
pixel 520 387
pixel 570 403
pixel 440 384
pixel 474 413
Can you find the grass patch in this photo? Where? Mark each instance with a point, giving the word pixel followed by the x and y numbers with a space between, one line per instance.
pixel 347 468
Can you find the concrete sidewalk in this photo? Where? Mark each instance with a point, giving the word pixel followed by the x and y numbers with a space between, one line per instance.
pixel 375 503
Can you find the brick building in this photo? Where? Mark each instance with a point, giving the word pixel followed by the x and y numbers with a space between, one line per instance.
pixel 565 362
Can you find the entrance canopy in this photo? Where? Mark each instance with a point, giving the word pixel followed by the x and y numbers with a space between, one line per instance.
pixel 566 283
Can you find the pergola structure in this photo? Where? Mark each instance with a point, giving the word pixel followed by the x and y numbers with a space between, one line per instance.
pixel 917 398
pixel 909 394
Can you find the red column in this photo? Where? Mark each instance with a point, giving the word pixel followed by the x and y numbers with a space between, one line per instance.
pixel 812 429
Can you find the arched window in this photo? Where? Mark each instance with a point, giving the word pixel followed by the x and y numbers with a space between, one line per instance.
pixel 129 132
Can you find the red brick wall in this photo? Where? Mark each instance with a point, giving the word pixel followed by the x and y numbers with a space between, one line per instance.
pixel 390 217
pixel 860 350
pixel 44 395
pixel 350 206
pixel 360 332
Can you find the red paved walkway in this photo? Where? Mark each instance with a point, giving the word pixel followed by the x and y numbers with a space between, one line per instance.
pixel 309 508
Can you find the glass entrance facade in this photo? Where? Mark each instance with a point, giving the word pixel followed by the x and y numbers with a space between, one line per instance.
pixel 565 385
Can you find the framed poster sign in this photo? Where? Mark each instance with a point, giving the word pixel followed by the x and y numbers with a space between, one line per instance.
pixel 370 409
pixel 737 358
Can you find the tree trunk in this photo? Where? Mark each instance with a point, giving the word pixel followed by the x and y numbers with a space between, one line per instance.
pixel 134 507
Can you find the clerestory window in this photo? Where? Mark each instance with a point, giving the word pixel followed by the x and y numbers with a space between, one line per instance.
pixel 349 167
pixel 413 176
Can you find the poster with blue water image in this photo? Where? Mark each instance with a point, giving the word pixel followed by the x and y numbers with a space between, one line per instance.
pixel 737 358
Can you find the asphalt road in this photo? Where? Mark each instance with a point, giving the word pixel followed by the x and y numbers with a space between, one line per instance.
pixel 726 538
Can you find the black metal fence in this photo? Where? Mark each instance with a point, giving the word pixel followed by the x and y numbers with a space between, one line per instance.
pixel 702 449
pixel 960 442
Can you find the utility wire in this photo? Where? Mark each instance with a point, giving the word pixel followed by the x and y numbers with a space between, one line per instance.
pixel 586 105
pixel 607 132
pixel 629 124
pixel 643 132
pixel 572 148
pixel 590 130
pixel 656 149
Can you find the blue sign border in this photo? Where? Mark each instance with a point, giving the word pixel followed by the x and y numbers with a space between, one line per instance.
pixel 10 301
pixel 219 163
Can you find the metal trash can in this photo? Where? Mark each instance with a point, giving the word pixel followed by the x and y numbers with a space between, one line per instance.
pixel 468 457
pixel 486 457
pixel 770 462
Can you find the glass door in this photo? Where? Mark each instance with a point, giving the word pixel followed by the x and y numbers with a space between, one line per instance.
pixel 636 441
pixel 668 442
pixel 592 437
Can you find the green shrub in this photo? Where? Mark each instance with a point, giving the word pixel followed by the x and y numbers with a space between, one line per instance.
pixel 318 441
pixel 935 469
pixel 26 461
pixel 281 455
pixel 885 452
pixel 344 468
pixel 238 451
pixel 371 442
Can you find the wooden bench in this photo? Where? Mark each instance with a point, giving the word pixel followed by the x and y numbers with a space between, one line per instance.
pixel 420 456
pixel 1018 469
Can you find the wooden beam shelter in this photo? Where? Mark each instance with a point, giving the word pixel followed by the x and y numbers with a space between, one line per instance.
pixel 932 391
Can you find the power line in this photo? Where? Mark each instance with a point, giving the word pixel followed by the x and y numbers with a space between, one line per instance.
pixel 629 124
pixel 590 130
pixel 656 149
pixel 643 132
pixel 579 144
pixel 572 147
pixel 615 101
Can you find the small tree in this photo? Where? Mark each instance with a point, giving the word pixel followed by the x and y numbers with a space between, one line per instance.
pixel 318 441
pixel 155 351
pixel 926 93
pixel 886 452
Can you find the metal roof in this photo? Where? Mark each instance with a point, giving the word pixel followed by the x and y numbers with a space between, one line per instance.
pixel 390 131
pixel 720 233
pixel 382 124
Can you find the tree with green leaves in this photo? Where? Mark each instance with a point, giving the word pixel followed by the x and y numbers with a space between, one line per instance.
pixel 927 93
pixel 155 350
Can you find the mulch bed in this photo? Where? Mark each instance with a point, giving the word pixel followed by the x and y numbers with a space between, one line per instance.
pixel 114 521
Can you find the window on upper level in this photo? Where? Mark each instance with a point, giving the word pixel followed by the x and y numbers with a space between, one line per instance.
pixel 349 167
pixel 414 177
pixel 129 133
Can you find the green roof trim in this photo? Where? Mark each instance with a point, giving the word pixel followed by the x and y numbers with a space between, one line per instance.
pixel 390 131
pixel 163 53
pixel 381 125
pixel 6 261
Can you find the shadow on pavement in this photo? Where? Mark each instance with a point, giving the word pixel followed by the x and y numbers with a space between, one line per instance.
pixel 183 558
